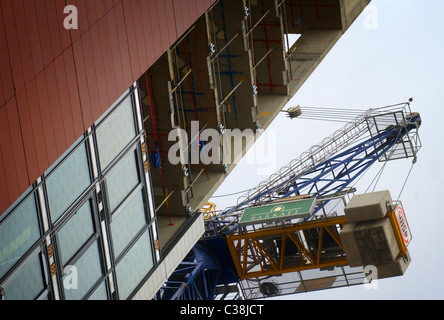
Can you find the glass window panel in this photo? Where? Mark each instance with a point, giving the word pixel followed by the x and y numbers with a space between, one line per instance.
pixel 68 181
pixel 134 266
pixel 100 293
pixel 114 134
pixel 128 223
pixel 121 180
pixel 110 109
pixel 83 275
pixel 18 232
pixel 28 284
pixel 63 156
pixel 76 232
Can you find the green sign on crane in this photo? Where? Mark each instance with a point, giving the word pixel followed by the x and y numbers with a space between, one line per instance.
pixel 278 211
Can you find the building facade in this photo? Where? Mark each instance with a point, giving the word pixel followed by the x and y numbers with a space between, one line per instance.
pixel 90 206
pixel 88 218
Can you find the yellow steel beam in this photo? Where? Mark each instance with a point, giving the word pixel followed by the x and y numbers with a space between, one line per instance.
pixel 297 227
pixel 208 211
pixel 270 272
pixel 303 251
pixel 398 236
pixel 283 241
pixel 241 244
pixel 265 254
pixel 255 248
pixel 335 236
pixel 245 255
pixel 321 238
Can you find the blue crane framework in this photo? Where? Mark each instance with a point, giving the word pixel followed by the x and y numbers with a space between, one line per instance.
pixel 234 261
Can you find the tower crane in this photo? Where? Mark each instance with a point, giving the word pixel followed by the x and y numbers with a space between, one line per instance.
pixel 297 231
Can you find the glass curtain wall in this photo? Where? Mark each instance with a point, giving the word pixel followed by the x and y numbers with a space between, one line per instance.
pixel 85 229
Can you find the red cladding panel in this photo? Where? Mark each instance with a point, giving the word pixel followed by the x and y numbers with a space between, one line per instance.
pixel 163 24
pixel 104 101
pixel 108 65
pixel 81 82
pixel 43 27
pixel 2 97
pixel 169 17
pixel 6 149
pixel 4 196
pixel 131 39
pixel 108 5
pixel 34 39
pixel 110 32
pixel 140 35
pixel 178 19
pixel 74 95
pixel 148 32
pixel 44 107
pixel 65 35
pixel 7 87
pixel 82 15
pixel 100 9
pixel 54 29
pixel 155 28
pixel 123 45
pixel 82 19
pixel 91 12
pixel 34 113
pixel 193 10
pixel 54 104
pixel 17 144
pixel 27 135
pixel 92 80
pixel 23 41
pixel 64 102
pixel 13 44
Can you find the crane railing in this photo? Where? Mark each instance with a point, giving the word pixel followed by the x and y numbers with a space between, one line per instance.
pixel 370 126
pixel 359 128
pixel 307 160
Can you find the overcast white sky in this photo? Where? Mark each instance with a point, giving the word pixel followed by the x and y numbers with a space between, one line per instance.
pixel 403 57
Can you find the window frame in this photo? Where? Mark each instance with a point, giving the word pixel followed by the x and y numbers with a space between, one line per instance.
pixel 97 195
pixel 17 266
pixel 23 263
pixel 54 167
pixel 141 186
pixel 94 239
pixel 128 95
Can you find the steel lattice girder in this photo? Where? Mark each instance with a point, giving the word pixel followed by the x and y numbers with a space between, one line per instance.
pixel 339 171
pixel 309 245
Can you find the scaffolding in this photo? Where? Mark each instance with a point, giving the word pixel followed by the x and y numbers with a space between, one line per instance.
pixel 216 74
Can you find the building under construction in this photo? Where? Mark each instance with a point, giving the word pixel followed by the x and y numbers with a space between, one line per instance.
pixel 92 207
